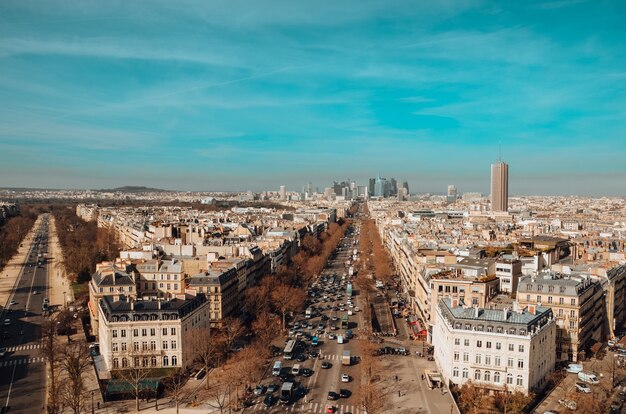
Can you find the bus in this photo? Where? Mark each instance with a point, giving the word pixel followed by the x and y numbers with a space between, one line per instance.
pixel 289 349
pixel 344 322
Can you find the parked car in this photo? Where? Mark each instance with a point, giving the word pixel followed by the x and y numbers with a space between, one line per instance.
pixel 269 400
pixel 259 389
pixel 574 368
pixel 588 377
pixel 569 404
pixel 582 387
pixel 272 387
pixel 326 365
pixel 332 396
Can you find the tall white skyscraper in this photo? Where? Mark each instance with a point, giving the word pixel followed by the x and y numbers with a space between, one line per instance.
pixel 499 186
pixel 282 192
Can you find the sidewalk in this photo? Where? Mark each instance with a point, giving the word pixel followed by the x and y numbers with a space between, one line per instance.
pixel 57 280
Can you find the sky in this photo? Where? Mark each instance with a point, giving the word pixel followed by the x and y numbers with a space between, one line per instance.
pixel 250 95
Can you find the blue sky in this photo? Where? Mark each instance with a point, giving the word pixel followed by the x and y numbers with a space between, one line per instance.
pixel 237 95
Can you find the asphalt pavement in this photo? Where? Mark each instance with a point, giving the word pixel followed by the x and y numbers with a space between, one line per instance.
pixel 22 369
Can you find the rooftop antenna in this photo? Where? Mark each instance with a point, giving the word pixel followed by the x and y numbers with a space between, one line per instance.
pixel 500 151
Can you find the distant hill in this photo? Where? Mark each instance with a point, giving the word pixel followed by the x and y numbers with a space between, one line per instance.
pixel 133 189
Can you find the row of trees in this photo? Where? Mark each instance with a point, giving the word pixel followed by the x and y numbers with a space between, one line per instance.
pixel 375 258
pixel 83 244
pixel 13 231
pixel 474 400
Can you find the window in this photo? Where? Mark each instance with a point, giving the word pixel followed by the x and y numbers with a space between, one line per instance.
pixel 499 329
pixel 510 363
pixel 173 344
pixel 456 356
pixel 153 361
pixel 116 363
pixel 457 341
pixel 511 347
pixel 114 333
pixel 136 346
pixel 479 359
pixel 521 348
pixel 466 342
pixel 114 347
pixel 165 343
pixel 124 347
pixel 520 381
pixel 573 302
pixel 166 361
pixel 479 344
pixel 520 363
pixel 455 371
pixel 144 332
pixel 152 331
pixel 489 328
pixel 152 345
pixel 538 298
pixel 561 301
pixel 527 298
pixel 487 376
pixel 465 356
pixel 135 332
pixel 123 332
pixel 136 361
pixel 465 373
pixel 496 360
pixel 498 345
pixel 144 345
pixel 488 344
pixel 164 331
pixel 173 359
pixel 509 379
pixel 572 313
pixel 173 331
pixel 496 377
pixel 487 359
pixel 477 375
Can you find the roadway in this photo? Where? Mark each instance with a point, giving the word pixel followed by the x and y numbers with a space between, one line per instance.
pixel 22 369
pixel 324 380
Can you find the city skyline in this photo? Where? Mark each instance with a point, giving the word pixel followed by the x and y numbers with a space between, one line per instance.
pixel 244 96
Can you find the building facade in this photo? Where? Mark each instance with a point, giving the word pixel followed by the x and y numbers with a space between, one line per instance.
pixel 499 186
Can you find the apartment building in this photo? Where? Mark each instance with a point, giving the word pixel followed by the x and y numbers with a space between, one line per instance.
pixel 221 288
pixel 150 333
pixel 160 278
pixel 498 350
pixel 577 303
pixel 508 272
pixel 111 280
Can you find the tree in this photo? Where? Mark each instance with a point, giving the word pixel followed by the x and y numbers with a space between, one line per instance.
pixel 50 350
pixel 512 402
pixel 135 375
pixel 208 348
pixel 287 299
pixel 65 322
pixel 372 398
pixel 232 329
pixel 471 398
pixel 219 394
pixel 258 297
pixel 75 361
pixel 311 244
pixel 174 385
pixel 266 327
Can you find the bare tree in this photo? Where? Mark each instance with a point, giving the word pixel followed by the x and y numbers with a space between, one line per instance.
pixel 232 329
pixel 287 299
pixel 135 375
pixel 372 398
pixel 220 392
pixel 50 350
pixel 266 327
pixel 208 348
pixel 65 322
pixel 471 398
pixel 512 402
pixel 175 384
pixel 75 360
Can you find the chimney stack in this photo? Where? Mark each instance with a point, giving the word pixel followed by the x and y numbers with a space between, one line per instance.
pixel 505 313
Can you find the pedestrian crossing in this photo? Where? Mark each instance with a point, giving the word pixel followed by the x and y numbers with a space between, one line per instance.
pixel 23 347
pixel 331 357
pixel 21 361
pixel 311 407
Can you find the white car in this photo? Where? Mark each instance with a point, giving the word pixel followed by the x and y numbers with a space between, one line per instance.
pixel 356 309
pixel 345 378
pixel 331 336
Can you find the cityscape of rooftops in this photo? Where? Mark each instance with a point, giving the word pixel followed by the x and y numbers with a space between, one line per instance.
pixel 371 207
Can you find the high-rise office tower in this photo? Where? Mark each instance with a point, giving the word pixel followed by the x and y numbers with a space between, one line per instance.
pixel 372 187
pixel 499 186
pixel 309 190
pixel 405 185
pixel 282 192
pixel 452 191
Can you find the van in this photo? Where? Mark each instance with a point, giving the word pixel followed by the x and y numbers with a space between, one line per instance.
pixel 295 370
pixel 277 367
pixel 588 377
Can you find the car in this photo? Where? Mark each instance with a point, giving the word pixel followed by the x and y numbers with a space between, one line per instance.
pixel 259 389
pixel 332 396
pixel 345 378
pixel 331 336
pixel 300 358
pixel 582 387
pixel 35 292
pixel 574 368
pixel 343 393
pixel 569 404
pixel 329 408
pixel 3 352
pixel 334 327
pixel 326 365
pixel 13 303
pixel 335 318
pixel 307 372
pixel 285 377
pixel 356 309
pixel 7 322
pixel 269 400
pixel 272 387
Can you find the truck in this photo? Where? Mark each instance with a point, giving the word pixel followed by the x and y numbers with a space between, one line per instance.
pixel 346 358
pixel 349 290
pixel 278 365
pixel 286 392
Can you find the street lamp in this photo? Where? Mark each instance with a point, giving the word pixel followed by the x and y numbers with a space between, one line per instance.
pixel 64 302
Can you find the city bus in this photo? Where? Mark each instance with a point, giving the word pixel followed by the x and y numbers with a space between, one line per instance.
pixel 289 348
